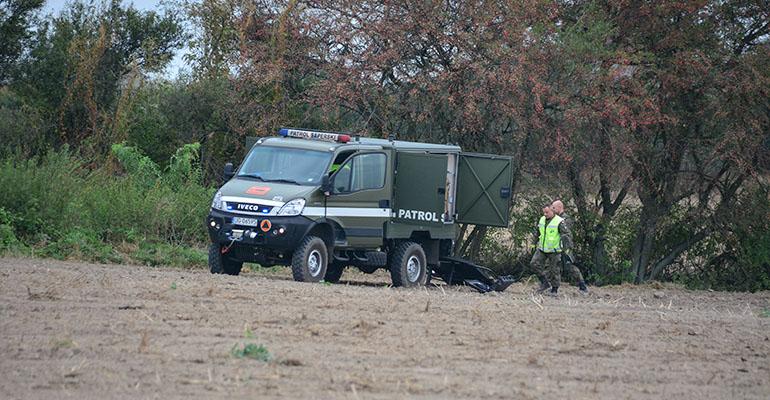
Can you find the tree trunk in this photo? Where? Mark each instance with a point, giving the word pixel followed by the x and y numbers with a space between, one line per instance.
pixel 460 239
pixel 468 241
pixel 645 238
pixel 599 250
pixel 477 240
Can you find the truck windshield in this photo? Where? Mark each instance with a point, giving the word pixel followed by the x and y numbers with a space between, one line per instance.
pixel 282 164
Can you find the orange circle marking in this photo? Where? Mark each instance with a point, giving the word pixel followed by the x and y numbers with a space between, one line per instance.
pixel 265 225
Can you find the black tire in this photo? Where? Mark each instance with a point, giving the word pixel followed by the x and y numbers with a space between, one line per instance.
pixel 408 266
pixel 221 264
pixel 334 272
pixel 368 269
pixel 309 262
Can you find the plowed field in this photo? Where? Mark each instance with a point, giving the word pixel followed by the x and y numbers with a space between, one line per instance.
pixel 87 331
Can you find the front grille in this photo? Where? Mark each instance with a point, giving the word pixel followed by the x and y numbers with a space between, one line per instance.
pixel 249 208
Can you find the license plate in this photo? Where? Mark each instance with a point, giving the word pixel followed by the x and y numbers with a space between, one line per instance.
pixel 246 221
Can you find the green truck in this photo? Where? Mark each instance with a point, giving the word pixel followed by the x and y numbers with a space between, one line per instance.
pixel 321 202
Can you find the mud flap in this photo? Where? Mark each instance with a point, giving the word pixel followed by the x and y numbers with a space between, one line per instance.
pixel 458 271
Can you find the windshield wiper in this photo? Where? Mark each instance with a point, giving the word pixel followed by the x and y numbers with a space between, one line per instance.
pixel 282 180
pixel 256 176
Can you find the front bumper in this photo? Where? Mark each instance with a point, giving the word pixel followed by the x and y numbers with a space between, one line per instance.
pixel 284 233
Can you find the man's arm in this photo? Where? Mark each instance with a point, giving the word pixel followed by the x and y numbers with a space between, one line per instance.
pixel 566 240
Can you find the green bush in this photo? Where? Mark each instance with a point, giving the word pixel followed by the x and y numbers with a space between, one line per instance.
pixel 23 127
pixel 60 206
pixel 83 244
pixel 8 240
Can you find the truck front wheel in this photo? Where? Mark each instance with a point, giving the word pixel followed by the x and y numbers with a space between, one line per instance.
pixel 310 259
pixel 221 264
pixel 408 266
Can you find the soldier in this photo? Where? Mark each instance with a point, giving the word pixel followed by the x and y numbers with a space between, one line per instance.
pixel 552 238
pixel 567 256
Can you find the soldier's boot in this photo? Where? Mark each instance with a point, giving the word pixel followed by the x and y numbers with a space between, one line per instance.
pixel 582 288
pixel 544 285
pixel 554 291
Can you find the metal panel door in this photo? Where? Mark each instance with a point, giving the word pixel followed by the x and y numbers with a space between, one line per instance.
pixel 420 188
pixel 483 189
pixel 360 197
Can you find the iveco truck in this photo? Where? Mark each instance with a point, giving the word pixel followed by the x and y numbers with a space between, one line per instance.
pixel 321 202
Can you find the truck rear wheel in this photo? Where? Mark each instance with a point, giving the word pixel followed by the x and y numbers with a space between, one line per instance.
pixel 334 272
pixel 309 262
pixel 408 266
pixel 220 263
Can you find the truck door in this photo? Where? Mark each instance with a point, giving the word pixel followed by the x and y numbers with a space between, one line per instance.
pixel 360 200
pixel 483 189
pixel 420 188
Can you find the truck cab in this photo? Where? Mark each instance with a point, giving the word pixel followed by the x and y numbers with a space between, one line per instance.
pixel 321 202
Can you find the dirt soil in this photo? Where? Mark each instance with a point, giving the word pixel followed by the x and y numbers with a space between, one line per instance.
pixel 87 331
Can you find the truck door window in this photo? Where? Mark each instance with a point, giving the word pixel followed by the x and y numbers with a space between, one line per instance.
pixel 339 160
pixel 365 171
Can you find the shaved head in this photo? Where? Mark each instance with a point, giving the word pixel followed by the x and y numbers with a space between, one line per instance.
pixel 558 206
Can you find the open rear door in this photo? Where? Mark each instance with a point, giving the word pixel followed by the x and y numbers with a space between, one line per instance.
pixel 483 189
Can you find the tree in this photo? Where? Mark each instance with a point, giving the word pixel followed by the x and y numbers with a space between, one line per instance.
pixel 15 20
pixel 215 38
pixel 84 65
pixel 689 108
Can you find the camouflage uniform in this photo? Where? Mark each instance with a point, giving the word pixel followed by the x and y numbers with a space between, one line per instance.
pixel 569 267
pixel 548 265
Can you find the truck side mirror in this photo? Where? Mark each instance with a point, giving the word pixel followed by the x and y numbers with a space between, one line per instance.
pixel 326 185
pixel 229 171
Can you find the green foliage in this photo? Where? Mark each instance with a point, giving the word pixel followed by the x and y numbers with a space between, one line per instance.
pixel 54 204
pixel 253 351
pixel 136 164
pixel 82 244
pixel 8 240
pixel 15 16
pixel 736 257
pixel 183 167
pixel 23 128
pixel 148 126
pixel 620 240
pixel 39 191
pixel 84 64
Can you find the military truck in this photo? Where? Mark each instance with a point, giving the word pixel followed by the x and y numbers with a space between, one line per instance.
pixel 321 202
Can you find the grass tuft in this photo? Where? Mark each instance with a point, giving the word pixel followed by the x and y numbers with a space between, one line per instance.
pixel 253 351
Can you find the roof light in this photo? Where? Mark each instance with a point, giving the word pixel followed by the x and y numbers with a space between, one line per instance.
pixel 326 136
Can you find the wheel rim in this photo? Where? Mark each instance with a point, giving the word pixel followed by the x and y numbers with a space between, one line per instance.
pixel 413 268
pixel 314 261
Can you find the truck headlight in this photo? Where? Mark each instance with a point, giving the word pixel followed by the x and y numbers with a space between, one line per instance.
pixel 293 207
pixel 217 203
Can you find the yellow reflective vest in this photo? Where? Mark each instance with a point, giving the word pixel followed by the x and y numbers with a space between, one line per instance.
pixel 550 239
